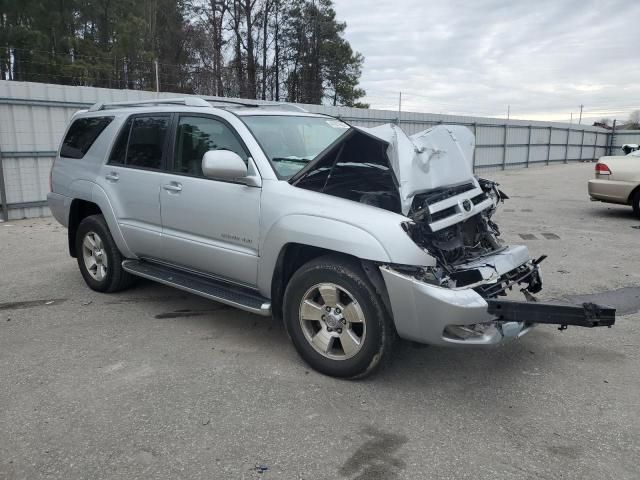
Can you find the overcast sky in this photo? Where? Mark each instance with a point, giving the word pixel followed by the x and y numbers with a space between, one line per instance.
pixel 542 57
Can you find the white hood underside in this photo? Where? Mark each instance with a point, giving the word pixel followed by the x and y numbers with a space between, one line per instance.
pixel 438 157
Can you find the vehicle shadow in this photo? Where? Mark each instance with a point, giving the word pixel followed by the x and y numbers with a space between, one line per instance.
pixel 412 368
pixel 622 212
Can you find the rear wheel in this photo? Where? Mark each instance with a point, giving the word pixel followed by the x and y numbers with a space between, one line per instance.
pixel 99 259
pixel 635 203
pixel 336 319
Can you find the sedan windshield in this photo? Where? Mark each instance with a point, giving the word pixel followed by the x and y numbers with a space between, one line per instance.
pixel 291 142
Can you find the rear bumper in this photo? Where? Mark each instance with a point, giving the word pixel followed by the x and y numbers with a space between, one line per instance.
pixel 611 191
pixel 431 314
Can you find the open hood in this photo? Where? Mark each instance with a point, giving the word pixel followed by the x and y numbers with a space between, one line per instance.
pixel 384 166
pixel 438 157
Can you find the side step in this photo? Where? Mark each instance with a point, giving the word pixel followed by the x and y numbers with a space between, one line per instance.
pixel 220 291
pixel 586 315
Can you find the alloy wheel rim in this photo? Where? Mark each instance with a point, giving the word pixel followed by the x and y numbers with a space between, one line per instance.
pixel 332 321
pixel 94 255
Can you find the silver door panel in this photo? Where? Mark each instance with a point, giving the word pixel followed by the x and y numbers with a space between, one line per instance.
pixel 211 226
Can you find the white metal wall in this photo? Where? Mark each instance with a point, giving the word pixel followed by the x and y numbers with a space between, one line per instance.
pixel 622 137
pixel 33 117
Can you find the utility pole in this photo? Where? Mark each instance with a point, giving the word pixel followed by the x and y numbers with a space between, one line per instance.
pixel 571 119
pixel 399 106
pixel 508 111
pixel 157 80
pixel 580 121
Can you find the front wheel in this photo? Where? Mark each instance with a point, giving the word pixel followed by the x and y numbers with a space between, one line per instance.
pixel 336 319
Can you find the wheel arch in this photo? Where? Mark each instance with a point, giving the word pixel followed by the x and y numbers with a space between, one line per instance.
pixel 632 194
pixel 78 211
pixel 295 239
pixel 93 200
pixel 292 256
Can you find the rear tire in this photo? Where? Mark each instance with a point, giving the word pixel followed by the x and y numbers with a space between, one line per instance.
pixel 336 319
pixel 635 203
pixel 99 259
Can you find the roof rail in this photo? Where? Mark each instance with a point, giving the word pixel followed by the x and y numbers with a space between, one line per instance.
pixel 187 101
pixel 242 103
pixel 238 103
pixel 194 102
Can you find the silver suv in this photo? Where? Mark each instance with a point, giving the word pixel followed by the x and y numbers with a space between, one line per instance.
pixel 352 236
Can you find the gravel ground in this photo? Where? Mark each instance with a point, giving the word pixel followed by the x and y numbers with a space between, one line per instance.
pixel 155 383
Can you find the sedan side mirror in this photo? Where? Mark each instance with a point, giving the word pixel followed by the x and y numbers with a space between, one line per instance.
pixel 223 164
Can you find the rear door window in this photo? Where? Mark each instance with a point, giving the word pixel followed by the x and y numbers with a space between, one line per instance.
pixel 81 135
pixel 142 142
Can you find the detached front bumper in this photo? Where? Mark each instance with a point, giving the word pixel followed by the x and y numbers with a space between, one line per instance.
pixel 437 315
pixel 430 314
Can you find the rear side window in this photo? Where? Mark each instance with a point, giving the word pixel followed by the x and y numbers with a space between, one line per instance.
pixel 81 135
pixel 141 142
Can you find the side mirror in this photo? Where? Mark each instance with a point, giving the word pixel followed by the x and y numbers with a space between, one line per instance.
pixel 223 164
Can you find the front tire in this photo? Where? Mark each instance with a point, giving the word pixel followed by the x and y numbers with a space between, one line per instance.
pixel 635 203
pixel 336 319
pixel 99 259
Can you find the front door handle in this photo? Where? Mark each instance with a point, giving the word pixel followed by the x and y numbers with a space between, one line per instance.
pixel 173 187
pixel 112 177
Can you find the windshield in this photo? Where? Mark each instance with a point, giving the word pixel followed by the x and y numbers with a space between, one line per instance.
pixel 291 142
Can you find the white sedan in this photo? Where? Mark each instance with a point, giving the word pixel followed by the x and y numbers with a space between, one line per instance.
pixel 618 181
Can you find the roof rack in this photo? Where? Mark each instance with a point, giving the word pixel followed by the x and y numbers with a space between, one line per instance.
pixel 187 101
pixel 249 103
pixel 194 102
pixel 233 103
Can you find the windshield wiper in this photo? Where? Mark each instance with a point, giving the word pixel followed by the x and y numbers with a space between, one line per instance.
pixel 289 159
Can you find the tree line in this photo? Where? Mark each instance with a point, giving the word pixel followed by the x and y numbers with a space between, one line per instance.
pixel 283 50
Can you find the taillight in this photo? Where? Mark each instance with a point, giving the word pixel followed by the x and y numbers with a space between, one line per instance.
pixel 602 169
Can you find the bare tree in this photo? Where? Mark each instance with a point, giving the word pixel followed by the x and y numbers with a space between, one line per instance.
pixel 634 119
pixel 218 11
pixel 266 10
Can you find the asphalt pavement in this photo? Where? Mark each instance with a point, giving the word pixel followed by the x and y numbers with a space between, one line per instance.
pixel 156 383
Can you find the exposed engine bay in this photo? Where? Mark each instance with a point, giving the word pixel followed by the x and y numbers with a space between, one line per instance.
pixel 462 241
pixel 428 178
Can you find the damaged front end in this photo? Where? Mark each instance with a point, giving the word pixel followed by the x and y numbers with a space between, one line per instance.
pixel 429 179
pixel 455 225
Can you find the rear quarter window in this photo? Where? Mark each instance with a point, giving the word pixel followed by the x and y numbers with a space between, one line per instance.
pixel 81 135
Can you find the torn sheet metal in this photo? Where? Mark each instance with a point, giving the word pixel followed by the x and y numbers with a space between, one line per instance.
pixel 437 157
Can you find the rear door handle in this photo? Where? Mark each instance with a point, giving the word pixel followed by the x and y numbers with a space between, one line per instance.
pixel 112 177
pixel 173 187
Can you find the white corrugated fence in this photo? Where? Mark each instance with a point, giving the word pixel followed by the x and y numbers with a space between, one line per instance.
pixel 33 117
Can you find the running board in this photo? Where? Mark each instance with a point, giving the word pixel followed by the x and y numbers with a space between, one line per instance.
pixel 586 315
pixel 220 291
